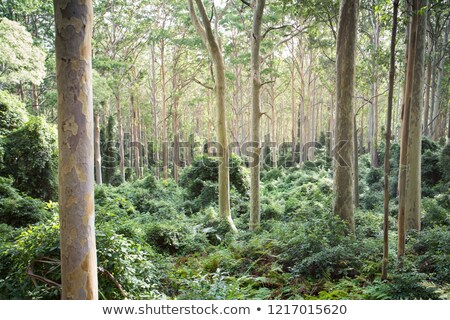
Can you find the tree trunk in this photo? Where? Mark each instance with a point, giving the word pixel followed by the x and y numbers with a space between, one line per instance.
pixel 258 11
pixel 293 113
pixel 345 67
pixel 439 89
pixel 155 111
pixel 97 154
pixel 120 134
pixel 427 88
pixel 165 146
pixel 176 134
pixel 35 99
pixel 388 144
pixel 355 165
pixel 206 34
pixel 413 176
pixel 135 143
pixel 413 28
pixel 76 149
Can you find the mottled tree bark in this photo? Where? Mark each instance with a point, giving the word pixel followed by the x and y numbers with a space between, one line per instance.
pixel 73 21
pixel 255 214
pixel 345 69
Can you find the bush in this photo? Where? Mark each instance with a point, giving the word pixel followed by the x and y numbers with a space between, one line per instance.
pixel 17 210
pixel 37 247
pixel 12 113
pixel 173 237
pixel 31 159
pixel 200 181
pixel 407 285
pixel 444 163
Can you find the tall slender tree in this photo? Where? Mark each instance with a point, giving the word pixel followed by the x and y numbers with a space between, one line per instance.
pixel 403 169
pixel 258 11
pixel 212 42
pixel 73 21
pixel 345 74
pixel 388 143
pixel 413 177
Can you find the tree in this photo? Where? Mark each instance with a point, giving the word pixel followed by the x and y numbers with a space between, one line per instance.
pixel 212 42
pixel 409 182
pixel 258 11
pixel 20 60
pixel 388 143
pixel 414 150
pixel 73 21
pixel 345 73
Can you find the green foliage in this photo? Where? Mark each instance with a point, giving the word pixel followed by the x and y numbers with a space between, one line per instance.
pixel 200 181
pixel 31 159
pixel 17 210
pixel 20 60
pixel 405 285
pixel 12 113
pixel 432 250
pixel 37 247
pixel 174 237
pixel 444 163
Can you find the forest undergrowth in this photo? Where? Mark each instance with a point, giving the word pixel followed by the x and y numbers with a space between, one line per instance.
pixel 160 240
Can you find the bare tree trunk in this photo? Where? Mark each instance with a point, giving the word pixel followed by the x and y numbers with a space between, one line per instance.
pixel 427 88
pixel 97 154
pixel 120 134
pixel 135 137
pixel 176 134
pixel 439 89
pixel 165 146
pixel 35 99
pixel 385 262
pixel 255 215
pixel 213 44
pixel 293 113
pixel 355 165
pixel 76 149
pixel 345 67
pixel 413 176
pixel 155 111
pixel 413 30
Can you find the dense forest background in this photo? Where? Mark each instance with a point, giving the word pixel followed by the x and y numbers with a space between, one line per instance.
pixel 160 226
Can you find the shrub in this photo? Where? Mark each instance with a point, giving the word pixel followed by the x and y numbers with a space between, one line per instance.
pixel 444 163
pixel 200 181
pixel 12 113
pixel 17 210
pixel 174 237
pixel 31 159
pixel 38 247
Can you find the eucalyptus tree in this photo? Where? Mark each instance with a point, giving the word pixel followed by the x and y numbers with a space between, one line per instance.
pixel 410 148
pixel 75 135
pixel 345 73
pixel 212 41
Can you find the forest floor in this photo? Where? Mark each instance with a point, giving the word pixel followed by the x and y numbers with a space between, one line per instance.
pixel 163 240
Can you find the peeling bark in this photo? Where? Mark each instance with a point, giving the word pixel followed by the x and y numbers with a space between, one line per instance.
pixel 76 148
